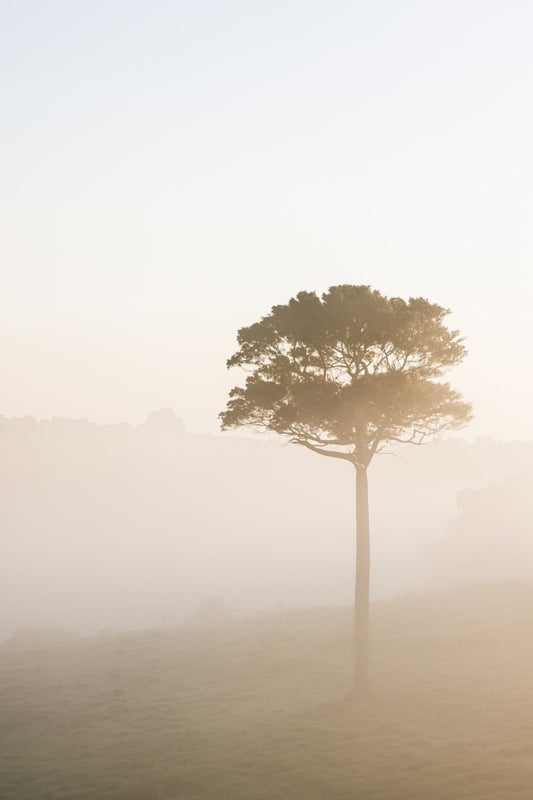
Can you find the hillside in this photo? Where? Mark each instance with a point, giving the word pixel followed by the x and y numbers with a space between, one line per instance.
pixel 254 708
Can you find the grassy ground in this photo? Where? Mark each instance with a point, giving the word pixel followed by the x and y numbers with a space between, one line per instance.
pixel 256 709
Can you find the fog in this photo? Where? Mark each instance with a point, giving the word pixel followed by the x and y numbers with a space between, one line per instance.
pixel 177 602
pixel 177 618
pixel 120 527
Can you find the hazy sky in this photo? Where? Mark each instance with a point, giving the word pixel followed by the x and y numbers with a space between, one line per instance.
pixel 172 169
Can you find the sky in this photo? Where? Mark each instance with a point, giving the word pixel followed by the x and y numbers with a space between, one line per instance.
pixel 170 170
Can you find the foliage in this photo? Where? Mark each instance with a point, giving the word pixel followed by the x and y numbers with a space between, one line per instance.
pixel 345 373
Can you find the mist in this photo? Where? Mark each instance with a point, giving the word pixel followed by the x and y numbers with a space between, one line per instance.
pixel 120 527
pixel 195 594
pixel 334 202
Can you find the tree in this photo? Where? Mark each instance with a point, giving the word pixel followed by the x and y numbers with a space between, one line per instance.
pixel 343 375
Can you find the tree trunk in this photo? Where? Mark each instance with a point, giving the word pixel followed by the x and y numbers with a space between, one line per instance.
pixel 362 584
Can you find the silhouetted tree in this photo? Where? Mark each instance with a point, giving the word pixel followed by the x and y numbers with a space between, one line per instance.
pixel 342 375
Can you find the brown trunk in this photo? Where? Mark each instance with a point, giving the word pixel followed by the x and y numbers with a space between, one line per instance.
pixel 362 584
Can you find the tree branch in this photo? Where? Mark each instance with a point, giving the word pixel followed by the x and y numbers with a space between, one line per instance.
pixel 417 437
pixel 330 453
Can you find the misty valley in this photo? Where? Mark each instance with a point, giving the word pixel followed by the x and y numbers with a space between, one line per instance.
pixel 121 527
pixel 266 441
pixel 177 618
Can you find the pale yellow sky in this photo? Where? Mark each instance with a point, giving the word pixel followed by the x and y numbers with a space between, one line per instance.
pixel 171 170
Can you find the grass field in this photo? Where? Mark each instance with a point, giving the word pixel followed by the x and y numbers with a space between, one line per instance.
pixel 255 709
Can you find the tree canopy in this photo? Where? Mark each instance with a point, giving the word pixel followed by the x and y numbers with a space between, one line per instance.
pixel 344 373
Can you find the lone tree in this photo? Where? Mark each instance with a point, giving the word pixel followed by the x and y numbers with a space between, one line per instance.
pixel 343 375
